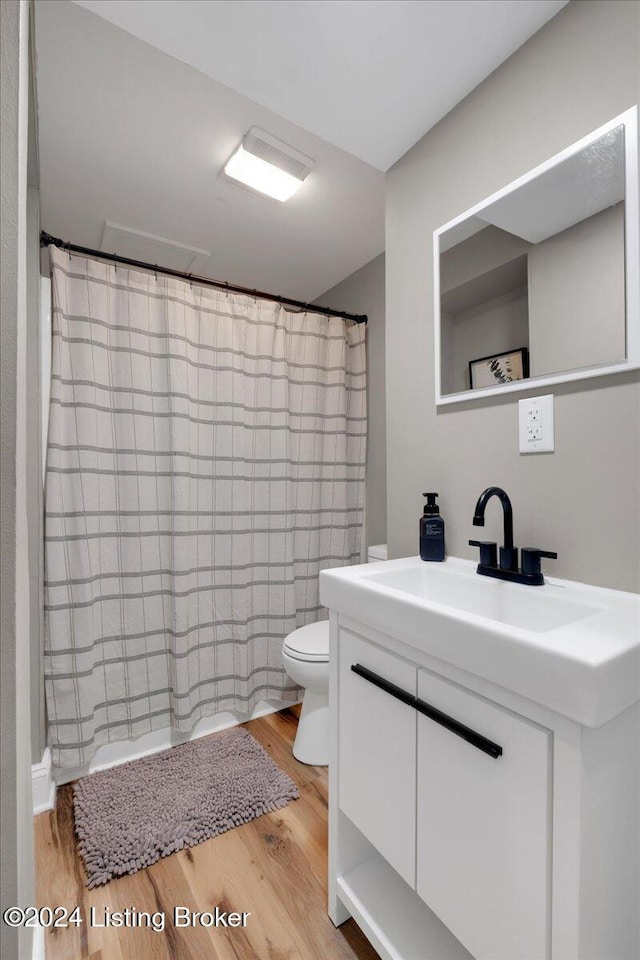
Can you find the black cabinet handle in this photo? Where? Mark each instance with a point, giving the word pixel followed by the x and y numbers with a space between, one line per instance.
pixel 475 739
pixel 471 736
pixel 385 685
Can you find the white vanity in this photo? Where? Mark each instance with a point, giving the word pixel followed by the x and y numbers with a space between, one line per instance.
pixel 485 764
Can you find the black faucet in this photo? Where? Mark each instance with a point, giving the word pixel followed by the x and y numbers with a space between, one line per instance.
pixel 508 553
pixel 507 569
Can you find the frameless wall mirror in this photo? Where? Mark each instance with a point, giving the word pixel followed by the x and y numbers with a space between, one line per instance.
pixel 539 283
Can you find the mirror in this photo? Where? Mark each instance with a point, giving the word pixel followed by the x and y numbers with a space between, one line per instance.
pixel 538 284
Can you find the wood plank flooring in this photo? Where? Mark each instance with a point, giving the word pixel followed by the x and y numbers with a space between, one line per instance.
pixel 275 867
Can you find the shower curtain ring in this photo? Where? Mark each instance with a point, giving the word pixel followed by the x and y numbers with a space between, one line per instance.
pixel 115 264
pixel 155 270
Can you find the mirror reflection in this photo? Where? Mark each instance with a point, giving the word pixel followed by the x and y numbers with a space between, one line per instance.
pixel 534 284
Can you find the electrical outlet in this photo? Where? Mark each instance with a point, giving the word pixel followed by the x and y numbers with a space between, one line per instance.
pixel 535 417
pixel 534 423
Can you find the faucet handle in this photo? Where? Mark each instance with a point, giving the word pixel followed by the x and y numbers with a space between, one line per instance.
pixel 531 559
pixel 488 552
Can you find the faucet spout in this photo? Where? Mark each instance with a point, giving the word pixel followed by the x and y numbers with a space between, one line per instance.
pixel 508 556
pixel 507 567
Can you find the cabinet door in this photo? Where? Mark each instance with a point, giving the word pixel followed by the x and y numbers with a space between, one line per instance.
pixel 484 824
pixel 377 765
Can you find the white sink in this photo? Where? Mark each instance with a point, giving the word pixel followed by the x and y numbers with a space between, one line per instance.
pixel 568 646
pixel 526 608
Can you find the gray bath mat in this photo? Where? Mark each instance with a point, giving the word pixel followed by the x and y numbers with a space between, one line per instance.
pixel 129 816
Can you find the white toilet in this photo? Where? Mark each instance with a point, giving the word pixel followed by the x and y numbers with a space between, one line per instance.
pixel 305 655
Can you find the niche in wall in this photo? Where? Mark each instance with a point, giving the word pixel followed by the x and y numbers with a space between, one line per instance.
pixel 484 302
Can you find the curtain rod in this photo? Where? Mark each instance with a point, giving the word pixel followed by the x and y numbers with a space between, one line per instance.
pixel 46 239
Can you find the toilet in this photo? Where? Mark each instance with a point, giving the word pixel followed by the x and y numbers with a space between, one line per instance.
pixel 305 656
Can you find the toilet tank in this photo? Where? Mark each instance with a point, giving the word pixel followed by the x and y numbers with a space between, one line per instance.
pixel 377 552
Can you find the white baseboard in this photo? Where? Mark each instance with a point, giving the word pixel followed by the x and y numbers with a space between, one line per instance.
pixel 113 754
pixel 42 785
pixel 38 948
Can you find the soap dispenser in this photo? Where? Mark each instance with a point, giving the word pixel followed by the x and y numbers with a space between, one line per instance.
pixel 431 530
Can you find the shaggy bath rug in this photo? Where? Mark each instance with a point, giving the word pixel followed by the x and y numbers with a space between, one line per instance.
pixel 130 816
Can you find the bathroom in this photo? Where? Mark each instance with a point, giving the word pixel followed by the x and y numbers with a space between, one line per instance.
pixel 118 121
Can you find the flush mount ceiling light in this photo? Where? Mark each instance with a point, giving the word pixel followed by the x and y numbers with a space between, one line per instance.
pixel 268 165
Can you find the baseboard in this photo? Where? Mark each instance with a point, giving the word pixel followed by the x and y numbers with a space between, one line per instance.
pixel 113 754
pixel 42 785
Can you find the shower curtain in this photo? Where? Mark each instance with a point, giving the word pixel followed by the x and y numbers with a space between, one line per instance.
pixel 205 461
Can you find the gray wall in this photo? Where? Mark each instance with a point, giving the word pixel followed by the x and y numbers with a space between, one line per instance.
pixel 579 71
pixel 363 292
pixel 16 824
pixel 576 295
pixel 483 302
pixel 500 324
pixel 479 254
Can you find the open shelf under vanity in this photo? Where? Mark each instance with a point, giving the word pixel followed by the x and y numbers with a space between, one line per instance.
pixel 393 917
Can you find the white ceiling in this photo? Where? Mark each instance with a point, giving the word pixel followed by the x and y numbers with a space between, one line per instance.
pixel 370 76
pixel 569 192
pixel 585 184
pixel 132 134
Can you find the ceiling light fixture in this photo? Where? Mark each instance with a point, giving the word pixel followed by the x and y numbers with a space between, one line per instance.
pixel 268 165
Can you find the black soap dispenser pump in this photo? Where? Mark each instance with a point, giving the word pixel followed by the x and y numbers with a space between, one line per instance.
pixel 431 530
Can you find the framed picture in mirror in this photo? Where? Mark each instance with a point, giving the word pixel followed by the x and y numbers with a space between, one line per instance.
pixel 499 368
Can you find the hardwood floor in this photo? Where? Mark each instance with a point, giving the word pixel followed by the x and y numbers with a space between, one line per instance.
pixel 275 867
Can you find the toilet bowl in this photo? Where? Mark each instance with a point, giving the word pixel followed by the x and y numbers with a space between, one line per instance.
pixel 305 656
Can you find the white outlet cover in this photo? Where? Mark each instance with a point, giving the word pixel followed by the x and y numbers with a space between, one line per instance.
pixel 535 425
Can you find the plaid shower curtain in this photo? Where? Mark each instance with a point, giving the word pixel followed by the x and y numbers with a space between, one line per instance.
pixel 205 461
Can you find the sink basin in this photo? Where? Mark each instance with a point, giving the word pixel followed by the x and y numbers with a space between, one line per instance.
pixel 524 607
pixel 568 646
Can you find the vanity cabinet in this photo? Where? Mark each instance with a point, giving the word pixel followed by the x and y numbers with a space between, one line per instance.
pixel 483 824
pixel 469 823
pixel 378 753
pixel 453 792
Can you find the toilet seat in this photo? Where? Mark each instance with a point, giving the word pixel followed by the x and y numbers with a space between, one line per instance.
pixel 309 643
